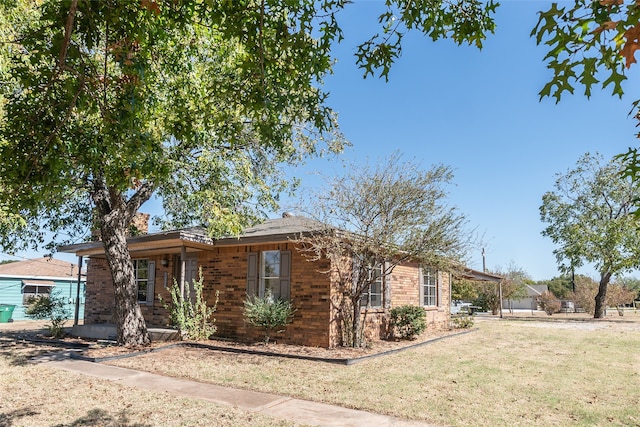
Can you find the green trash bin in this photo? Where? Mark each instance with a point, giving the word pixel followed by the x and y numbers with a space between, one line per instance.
pixel 6 311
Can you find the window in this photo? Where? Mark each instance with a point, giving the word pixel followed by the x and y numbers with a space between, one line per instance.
pixel 269 270
pixel 35 289
pixel 144 272
pixel 373 295
pixel 429 287
pixel 270 273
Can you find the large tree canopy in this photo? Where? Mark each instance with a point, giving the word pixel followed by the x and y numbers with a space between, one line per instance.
pixel 105 103
pixel 589 217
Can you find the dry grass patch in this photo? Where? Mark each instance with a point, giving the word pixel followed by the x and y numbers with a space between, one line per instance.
pixel 507 373
pixel 34 395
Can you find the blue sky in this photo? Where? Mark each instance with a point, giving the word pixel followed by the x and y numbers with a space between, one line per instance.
pixel 479 113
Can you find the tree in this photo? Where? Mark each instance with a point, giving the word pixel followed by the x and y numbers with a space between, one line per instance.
pixel 632 283
pixel 105 103
pixel 592 43
pixel 513 283
pixel 560 286
pixel 463 289
pixel 618 296
pixel 488 296
pixel 590 217
pixel 585 294
pixel 377 218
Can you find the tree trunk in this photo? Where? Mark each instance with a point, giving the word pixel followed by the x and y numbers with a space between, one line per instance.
pixel 132 330
pixel 114 214
pixel 355 327
pixel 601 296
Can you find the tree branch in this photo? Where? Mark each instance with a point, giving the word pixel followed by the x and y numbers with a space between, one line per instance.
pixel 68 28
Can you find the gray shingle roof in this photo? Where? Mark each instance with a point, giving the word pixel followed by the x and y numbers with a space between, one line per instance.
pixel 40 267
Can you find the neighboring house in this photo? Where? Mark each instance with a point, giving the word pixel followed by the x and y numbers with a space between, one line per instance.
pixel 264 256
pixel 530 302
pixel 22 280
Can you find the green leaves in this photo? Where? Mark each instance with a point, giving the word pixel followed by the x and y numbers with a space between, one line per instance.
pixel 463 21
pixel 590 217
pixel 585 41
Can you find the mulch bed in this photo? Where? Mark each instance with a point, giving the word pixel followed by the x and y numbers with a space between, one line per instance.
pixel 102 350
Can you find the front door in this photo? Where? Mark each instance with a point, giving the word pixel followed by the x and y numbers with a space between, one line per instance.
pixel 191 274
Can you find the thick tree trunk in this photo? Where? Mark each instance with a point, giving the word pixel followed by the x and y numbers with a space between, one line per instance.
pixel 601 296
pixel 132 329
pixel 114 216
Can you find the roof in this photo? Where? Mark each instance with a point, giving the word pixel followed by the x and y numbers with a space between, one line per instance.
pixel 472 274
pixel 536 290
pixel 40 268
pixel 195 239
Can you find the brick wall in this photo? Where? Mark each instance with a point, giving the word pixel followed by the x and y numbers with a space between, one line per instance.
pixel 224 269
pixel 404 282
pixel 100 298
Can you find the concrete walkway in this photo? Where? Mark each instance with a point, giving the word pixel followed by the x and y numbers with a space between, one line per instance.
pixel 297 410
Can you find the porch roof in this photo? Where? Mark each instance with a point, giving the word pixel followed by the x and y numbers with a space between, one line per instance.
pixel 196 239
pixel 482 276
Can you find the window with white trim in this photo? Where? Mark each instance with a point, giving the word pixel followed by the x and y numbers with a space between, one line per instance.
pixel 429 287
pixel 373 294
pixel 270 273
pixel 34 289
pixel 141 273
pixel 269 270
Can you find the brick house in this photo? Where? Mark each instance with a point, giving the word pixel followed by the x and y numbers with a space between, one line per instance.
pixel 264 256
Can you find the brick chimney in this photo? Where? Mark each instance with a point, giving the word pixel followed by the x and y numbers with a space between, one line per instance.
pixel 139 224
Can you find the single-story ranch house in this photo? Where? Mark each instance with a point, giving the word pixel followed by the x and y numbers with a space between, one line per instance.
pixel 263 256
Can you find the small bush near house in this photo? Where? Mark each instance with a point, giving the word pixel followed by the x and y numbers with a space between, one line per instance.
pixel 193 317
pixel 51 307
pixel 408 321
pixel 549 303
pixel 462 321
pixel 267 313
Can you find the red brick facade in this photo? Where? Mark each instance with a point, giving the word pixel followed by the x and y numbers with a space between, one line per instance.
pixel 224 268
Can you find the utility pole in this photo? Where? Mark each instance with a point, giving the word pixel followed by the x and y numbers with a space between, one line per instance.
pixel 484 263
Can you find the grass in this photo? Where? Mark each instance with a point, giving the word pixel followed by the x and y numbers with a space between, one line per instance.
pixel 34 395
pixel 506 373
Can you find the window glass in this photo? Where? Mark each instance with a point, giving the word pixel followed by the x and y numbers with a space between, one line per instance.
pixel 373 294
pixel 141 273
pixel 430 287
pixel 270 273
pixel 32 291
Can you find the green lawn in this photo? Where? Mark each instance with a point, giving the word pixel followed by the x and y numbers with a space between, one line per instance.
pixel 505 373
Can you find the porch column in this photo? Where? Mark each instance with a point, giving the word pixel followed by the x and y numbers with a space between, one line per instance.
pixel 183 268
pixel 77 312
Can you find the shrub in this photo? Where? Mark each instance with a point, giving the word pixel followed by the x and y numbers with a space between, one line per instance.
pixel 462 321
pixel 408 320
pixel 193 318
pixel 50 307
pixel 267 313
pixel 549 303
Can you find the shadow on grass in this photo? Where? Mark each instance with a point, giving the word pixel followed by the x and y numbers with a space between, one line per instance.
pixel 6 419
pixel 19 353
pixel 21 350
pixel 100 417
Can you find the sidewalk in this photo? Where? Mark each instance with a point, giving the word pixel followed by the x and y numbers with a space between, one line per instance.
pixel 297 410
